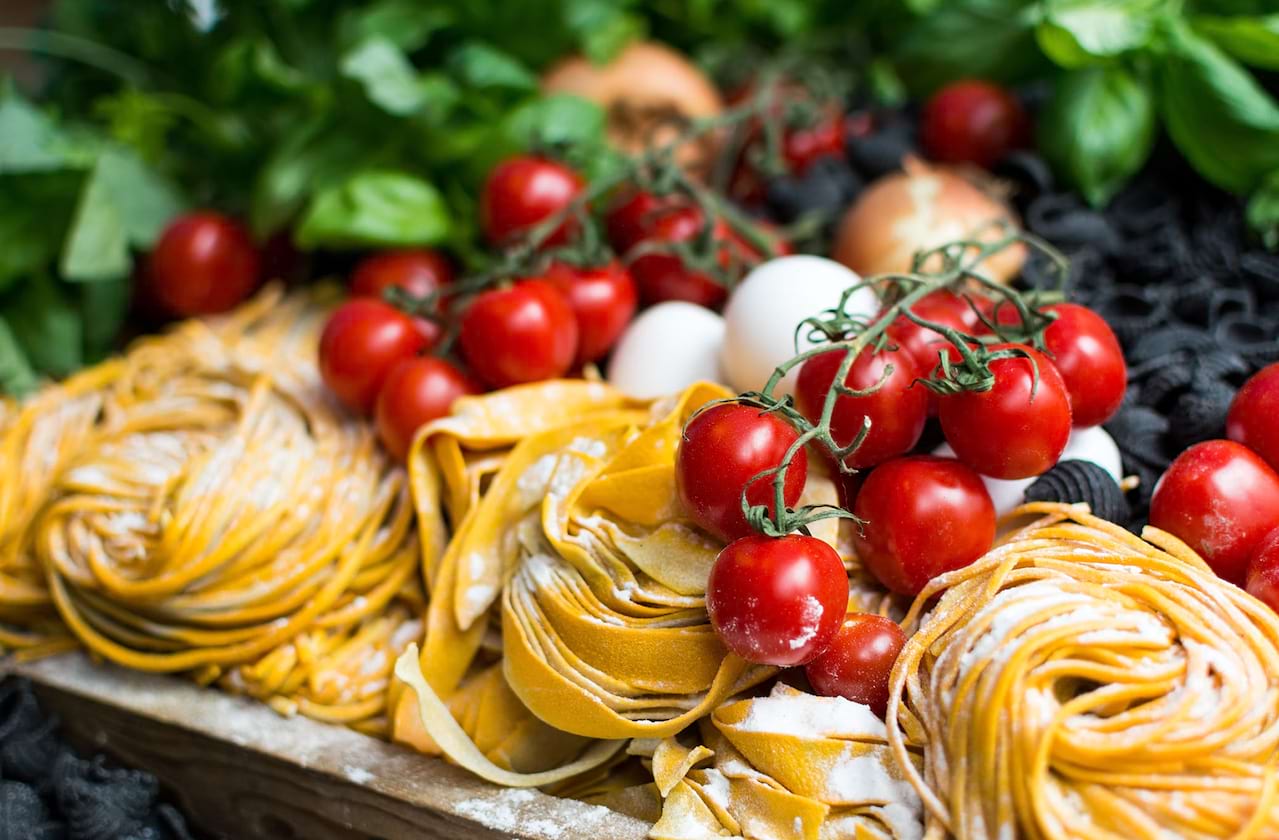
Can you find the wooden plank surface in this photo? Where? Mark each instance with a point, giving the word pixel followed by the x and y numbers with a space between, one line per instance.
pixel 242 771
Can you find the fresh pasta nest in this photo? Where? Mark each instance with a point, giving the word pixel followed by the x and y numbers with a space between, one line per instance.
pixel 1080 682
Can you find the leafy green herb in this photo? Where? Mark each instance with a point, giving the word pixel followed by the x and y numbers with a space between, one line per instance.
pixel 1098 129
pixel 1263 211
pixel 16 376
pixel 1252 40
pixel 991 39
pixel 1078 33
pixel 380 209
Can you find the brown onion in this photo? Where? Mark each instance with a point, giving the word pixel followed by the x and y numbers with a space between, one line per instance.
pixel 918 209
pixel 648 91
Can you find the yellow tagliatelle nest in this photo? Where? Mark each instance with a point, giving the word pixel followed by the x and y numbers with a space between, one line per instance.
pixel 1080 682
pixel 206 507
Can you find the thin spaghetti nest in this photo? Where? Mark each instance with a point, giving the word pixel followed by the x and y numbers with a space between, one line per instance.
pixel 218 514
pixel 1080 682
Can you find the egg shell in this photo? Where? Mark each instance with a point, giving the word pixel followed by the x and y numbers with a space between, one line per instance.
pixel 1092 444
pixel 667 348
pixel 768 305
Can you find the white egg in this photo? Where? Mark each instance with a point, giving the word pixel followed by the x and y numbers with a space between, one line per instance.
pixel 770 303
pixel 1091 444
pixel 667 348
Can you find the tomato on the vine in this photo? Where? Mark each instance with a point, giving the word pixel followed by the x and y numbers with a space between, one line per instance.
pixel 419 272
pixel 857 663
pixel 1220 499
pixel 203 263
pixel 1088 356
pixel 416 391
pixel 777 600
pixel 1254 415
pixel 722 449
pixel 971 121
pixel 924 516
pixel 523 333
pixel 1263 571
pixel 361 342
pixel 1019 427
pixel 897 409
pixel 631 217
pixel 942 307
pixel 824 137
pixel 604 300
pixel 525 190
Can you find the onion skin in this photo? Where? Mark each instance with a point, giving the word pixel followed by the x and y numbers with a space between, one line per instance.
pixel 646 91
pixel 921 208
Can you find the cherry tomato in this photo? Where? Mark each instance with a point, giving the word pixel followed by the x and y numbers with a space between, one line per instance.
pixel 1007 432
pixel 972 121
pixel 926 346
pixel 663 276
pixel 1087 354
pixel 203 263
pixel 858 662
pixel 361 342
pixel 524 333
pixel 603 299
pixel 416 391
pixel 824 138
pixel 924 516
pixel 777 600
pixel 631 217
pixel 1220 499
pixel 524 190
pixel 1263 571
pixel 1254 415
pixel 897 410
pixel 723 448
pixel 418 271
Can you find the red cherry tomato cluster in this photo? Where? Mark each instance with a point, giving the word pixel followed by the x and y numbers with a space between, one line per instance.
pixel 1221 497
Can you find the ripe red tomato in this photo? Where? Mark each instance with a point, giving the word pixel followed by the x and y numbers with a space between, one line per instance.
pixel 898 410
pixel 824 138
pixel 524 333
pixel 1263 571
pixel 972 121
pixel 524 190
pixel 663 276
pixel 361 342
pixel 418 271
pixel 603 299
pixel 1087 354
pixel 203 263
pixel 924 516
pixel 926 346
pixel 859 660
pixel 777 600
pixel 631 217
pixel 722 449
pixel 1006 432
pixel 1253 415
pixel 417 391
pixel 1220 499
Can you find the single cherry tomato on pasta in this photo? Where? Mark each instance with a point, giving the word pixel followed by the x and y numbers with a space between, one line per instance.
pixel 1018 428
pixel 897 409
pixel 924 516
pixel 203 263
pixel 417 391
pixel 1221 499
pixel 777 600
pixel 604 299
pixel 1263 571
pixel 361 342
pixel 858 661
pixel 1254 415
pixel 523 191
pixel 971 121
pixel 1088 356
pixel 722 449
pixel 524 333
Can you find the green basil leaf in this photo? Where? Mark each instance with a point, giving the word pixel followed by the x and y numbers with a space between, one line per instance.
pixel 31 240
pixel 97 247
pixel 1098 129
pixel 484 66
pixel 388 79
pixel 408 24
pixel 1252 40
pixel 378 209
pixel 146 200
pixel 312 156
pixel 990 39
pixel 1077 33
pixel 16 376
pixel 561 119
pixel 47 325
pixel 1263 211
pixel 29 140
pixel 602 27
pixel 1221 119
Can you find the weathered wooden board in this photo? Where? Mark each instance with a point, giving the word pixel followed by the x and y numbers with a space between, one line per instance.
pixel 239 769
